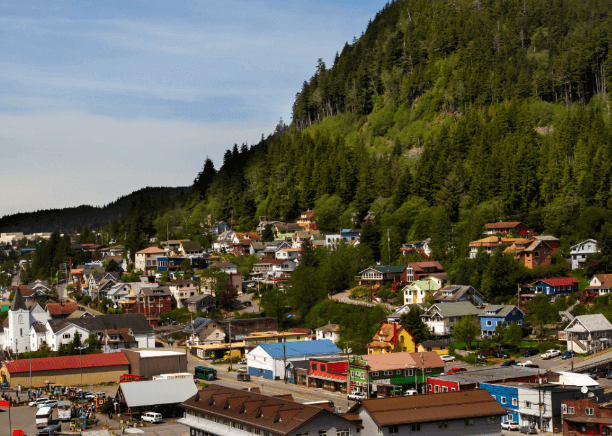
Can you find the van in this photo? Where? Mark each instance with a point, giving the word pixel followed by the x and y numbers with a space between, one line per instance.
pixel 234 353
pixel 243 377
pixel 152 417
pixel 43 417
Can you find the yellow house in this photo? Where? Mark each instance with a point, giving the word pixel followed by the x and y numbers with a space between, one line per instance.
pixel 391 337
pixel 440 347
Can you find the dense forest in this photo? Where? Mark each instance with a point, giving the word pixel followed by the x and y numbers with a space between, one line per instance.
pixel 441 116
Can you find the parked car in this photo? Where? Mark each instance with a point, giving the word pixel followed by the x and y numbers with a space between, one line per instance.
pixel 243 377
pixel 410 392
pixel 37 401
pixel 152 417
pixel 356 396
pixel 528 429
pixel 456 370
pixel 48 403
pixel 525 363
pixel 501 354
pixel 242 361
pixel 510 425
pixel 593 375
pixel 550 354
pixel 509 363
pixel 447 358
pixel 531 365
pixel 247 304
pixel 530 352
pixel 609 375
pixel 568 354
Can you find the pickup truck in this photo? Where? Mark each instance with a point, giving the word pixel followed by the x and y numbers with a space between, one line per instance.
pixel 550 354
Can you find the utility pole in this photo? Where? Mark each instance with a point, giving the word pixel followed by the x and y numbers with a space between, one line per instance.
pixel 348 369
pixel 230 343
pixel 422 373
pixel 389 246
pixel 284 360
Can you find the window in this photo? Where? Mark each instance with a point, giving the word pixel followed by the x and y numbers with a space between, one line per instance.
pixel 257 432
pixel 509 417
pixel 343 432
pixel 503 400
pixel 443 424
pixel 430 386
pixel 302 434
pixel 491 419
pixel 416 427
pixel 453 389
pixel 322 432
pixel 393 429
pixel 427 369
pixel 514 402
pixel 437 389
pixel 315 367
pixel 66 336
pixel 489 323
pixel 409 372
pixel 469 422
pixel 589 411
pixel 444 389
pixel 388 372
pixel 528 405
pixel 570 410
pixel 398 372
pixel 375 374
pixel 563 407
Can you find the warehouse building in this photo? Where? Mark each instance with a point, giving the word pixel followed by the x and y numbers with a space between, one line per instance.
pixel 155 392
pixel 150 363
pixel 66 370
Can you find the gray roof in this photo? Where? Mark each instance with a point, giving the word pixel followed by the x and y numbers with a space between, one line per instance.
pixel 18 303
pixel 461 308
pixel 161 291
pixel 328 328
pixel 135 321
pixel 502 310
pixel 592 323
pixel 198 298
pixel 490 375
pixel 149 393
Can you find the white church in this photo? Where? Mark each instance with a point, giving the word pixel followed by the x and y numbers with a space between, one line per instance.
pixel 18 324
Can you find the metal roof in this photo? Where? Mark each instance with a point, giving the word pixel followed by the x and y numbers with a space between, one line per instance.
pixel 67 362
pixel 148 393
pixel 301 348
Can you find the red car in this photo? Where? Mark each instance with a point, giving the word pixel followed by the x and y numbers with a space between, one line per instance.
pixel 456 370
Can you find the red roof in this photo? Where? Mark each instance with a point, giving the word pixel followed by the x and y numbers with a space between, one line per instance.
pixel 61 308
pixel 300 330
pixel 561 282
pixel 502 225
pixel 328 376
pixel 67 362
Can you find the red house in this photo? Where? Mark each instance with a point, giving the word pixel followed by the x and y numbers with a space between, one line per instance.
pixel 152 302
pixel 328 374
pixel 516 227
pixel 586 417
pixel 468 381
pixel 416 270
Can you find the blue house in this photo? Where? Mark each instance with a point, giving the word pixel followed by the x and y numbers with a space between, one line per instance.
pixel 507 396
pixel 271 360
pixel 494 314
pixel 553 288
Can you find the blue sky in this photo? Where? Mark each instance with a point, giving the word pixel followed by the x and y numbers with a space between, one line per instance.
pixel 98 99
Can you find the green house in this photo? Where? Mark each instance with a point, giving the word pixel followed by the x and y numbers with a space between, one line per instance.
pixel 391 374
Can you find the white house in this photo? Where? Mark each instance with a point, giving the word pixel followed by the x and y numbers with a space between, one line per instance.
pixel 329 331
pixel 17 326
pixel 441 317
pixel 288 253
pixel 581 251
pixel 223 241
pixel 587 334
pixel 226 267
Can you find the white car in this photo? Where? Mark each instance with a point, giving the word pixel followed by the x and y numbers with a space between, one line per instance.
pixel 37 401
pixel 550 354
pixel 525 363
pixel 410 392
pixel 48 403
pixel 510 425
pixel 152 417
pixel 356 396
pixel 447 358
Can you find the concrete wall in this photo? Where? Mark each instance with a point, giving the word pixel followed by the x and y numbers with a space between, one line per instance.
pixel 69 377
pixel 151 366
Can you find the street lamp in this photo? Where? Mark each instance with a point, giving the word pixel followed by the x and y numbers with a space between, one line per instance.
pixel 81 361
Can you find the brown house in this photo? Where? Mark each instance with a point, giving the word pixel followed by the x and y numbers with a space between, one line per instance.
pixel 586 417
pixel 531 254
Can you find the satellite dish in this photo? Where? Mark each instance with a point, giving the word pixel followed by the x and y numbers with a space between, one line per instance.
pixel 584 389
pixel 591 394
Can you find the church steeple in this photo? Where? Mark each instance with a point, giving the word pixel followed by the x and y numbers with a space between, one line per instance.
pixel 18 303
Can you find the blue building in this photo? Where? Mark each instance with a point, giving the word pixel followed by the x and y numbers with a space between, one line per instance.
pixel 553 288
pixel 268 360
pixel 494 314
pixel 507 396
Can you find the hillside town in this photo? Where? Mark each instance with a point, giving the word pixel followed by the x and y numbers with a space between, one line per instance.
pixel 177 312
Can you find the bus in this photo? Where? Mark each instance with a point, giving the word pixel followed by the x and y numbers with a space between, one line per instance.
pixel 171 376
pixel 126 378
pixel 43 417
pixel 205 373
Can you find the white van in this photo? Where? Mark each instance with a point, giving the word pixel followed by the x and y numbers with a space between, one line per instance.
pixel 151 417
pixel 43 416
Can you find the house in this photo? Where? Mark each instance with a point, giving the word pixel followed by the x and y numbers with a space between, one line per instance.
pixel 490 244
pixel 172 245
pixel 553 243
pixel 288 253
pixel 256 248
pixel 223 240
pixel 261 226
pixel 586 416
pixel 241 248
pixel 274 246
pixel 441 317
pixel 327 374
pixel 267 360
pixel 201 303
pixel 531 254
pixel 396 316
pixel 192 248
pixel 418 270
pixel 513 227
pixel 416 292
pixel 153 302
pixel 379 373
pixel 116 340
pixel 146 260
pixel 264 269
pixel 283 231
pixel 458 293
pixel 208 282
pixel 537 406
pixel 226 267
pixel 206 331
pixel 149 393
pixel 218 227
pixel 421 247
pixel 218 410
pixel 554 288
pixel 379 275
pixel 459 413
pixel 495 314
pixel 332 240
pixel 181 290
pixel 470 380
pixel 257 338
pixel 329 331
pixel 391 338
pixel 587 334
pixel 580 252
pixel 307 220
pixel 600 284
pixel 61 310
pixel 440 346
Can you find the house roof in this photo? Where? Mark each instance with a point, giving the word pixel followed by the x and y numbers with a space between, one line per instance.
pixel 592 323
pixel 428 408
pixel 151 250
pixel 198 298
pixel 153 392
pixel 388 361
pixel 502 225
pixel 329 328
pixel 277 415
pixel 301 330
pixel 605 279
pixel 161 291
pixel 288 227
pixel 458 292
pixel 222 265
pixel 386 269
pixel 191 245
pixel 386 330
pixel 135 321
pixel 182 282
pixel 257 245
pixel 420 266
pixel 67 362
pixel 564 281
pixel 55 309
pixel 460 308
pixel 501 310
pixel 300 348
pixel 435 343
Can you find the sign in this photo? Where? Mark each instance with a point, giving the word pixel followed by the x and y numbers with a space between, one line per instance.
pixel 384 381
pixel 5 404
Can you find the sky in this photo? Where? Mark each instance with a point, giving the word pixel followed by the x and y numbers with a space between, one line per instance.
pixel 101 98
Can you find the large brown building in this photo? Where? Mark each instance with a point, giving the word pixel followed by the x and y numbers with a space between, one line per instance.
pixel 66 370
pixel 155 362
